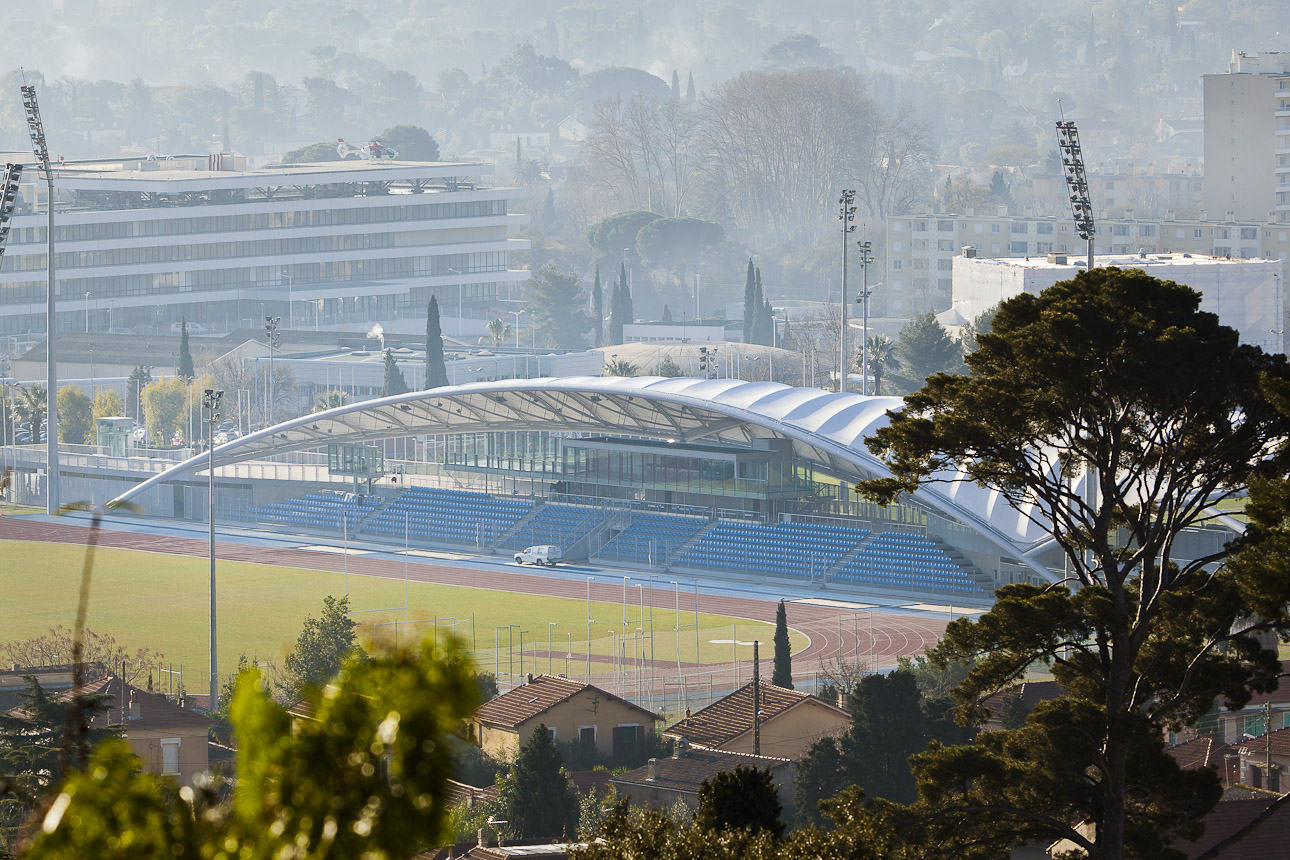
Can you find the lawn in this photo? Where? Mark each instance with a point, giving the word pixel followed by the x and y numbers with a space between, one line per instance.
pixel 160 602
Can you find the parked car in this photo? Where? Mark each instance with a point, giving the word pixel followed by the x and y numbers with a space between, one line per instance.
pixel 539 555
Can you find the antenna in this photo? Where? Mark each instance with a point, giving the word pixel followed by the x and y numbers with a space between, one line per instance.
pixel 1076 183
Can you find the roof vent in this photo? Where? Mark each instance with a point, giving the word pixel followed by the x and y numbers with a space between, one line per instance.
pixel 969 251
pixel 1057 259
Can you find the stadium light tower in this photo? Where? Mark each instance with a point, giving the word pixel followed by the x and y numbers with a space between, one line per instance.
pixel 41 150
pixel 1076 183
pixel 210 400
pixel 866 259
pixel 847 215
pixel 8 200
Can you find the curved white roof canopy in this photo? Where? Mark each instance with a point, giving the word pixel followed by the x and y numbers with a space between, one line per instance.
pixel 826 428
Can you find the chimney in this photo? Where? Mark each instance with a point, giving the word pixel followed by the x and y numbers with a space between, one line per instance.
pixel 653 769
pixel 843 701
pixel 134 706
pixel 530 677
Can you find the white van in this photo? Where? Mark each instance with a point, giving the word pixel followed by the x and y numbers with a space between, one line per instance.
pixel 539 555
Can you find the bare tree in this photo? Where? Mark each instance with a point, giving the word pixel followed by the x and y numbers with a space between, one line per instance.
pixel 898 166
pixel 101 651
pixel 645 152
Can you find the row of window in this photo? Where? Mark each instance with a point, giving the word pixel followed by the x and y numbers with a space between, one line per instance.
pixel 262 221
pixel 302 275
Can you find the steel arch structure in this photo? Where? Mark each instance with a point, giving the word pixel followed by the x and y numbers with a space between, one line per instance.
pixel 825 428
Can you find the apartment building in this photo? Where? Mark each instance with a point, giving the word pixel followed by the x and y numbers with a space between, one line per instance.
pixel 921 249
pixel 144 243
pixel 1247 139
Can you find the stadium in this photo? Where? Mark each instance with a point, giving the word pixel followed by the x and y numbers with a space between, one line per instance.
pixel 681 475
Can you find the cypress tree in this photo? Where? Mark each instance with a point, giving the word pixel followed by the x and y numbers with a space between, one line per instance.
pixel 667 314
pixel 629 313
pixel 394 381
pixel 598 309
pixel 689 90
pixel 185 369
pixel 615 314
pixel 436 370
pixel 782 676
pixel 676 85
pixel 750 309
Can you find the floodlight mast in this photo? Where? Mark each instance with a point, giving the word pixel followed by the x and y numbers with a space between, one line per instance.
pixel 41 150
pixel 1076 183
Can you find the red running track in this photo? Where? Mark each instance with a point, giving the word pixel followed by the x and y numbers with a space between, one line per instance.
pixel 835 634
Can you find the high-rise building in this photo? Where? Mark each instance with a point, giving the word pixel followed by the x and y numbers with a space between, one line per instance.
pixel 1247 139
pixel 144 243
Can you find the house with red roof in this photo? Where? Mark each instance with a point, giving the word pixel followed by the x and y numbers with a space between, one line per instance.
pixel 571 711
pixel 790 722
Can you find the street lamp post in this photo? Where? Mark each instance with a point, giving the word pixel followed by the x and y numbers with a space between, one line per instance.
pixel 847 215
pixel 516 314
pixel 550 625
pixel 291 310
pixel 87 311
pixel 40 149
pixel 270 332
pixel 461 320
pixel 210 401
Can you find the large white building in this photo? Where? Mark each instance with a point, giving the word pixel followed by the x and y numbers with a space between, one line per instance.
pixel 1245 294
pixel 1247 138
pixel 143 243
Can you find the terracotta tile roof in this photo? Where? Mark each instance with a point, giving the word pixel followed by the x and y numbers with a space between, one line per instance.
pixel 585 781
pixel 155 712
pixel 726 719
pixel 690 768
pixel 1204 751
pixel 516 707
pixel 1032 693
pixel 1267 840
pixel 1257 746
pixel 459 793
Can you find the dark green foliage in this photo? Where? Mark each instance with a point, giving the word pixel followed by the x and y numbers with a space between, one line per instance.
pixel 667 314
pixel 676 85
pixel 744 798
pixel 394 381
pixel 314 152
pixel 412 142
pixel 689 89
pixel 558 308
pixel 139 379
pixel 376 756
pixel 1012 713
pixel 323 646
pixel 667 367
pixel 33 738
pixel 185 368
pixel 1123 373
pixel 750 301
pixel 550 217
pixel 620 308
pixel 783 674
pixel 677 244
pixel 436 369
pixel 536 796
pixel 923 348
pixel 609 237
pixel 487 684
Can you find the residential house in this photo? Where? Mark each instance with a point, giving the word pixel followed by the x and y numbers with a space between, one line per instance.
pixel 664 781
pixel 571 711
pixel 790 722
pixel 169 740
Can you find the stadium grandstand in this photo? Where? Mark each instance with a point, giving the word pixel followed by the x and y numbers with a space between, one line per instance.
pixel 681 475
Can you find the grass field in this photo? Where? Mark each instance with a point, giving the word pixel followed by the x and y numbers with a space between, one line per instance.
pixel 160 602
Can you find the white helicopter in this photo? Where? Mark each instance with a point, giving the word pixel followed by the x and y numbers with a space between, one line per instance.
pixel 373 151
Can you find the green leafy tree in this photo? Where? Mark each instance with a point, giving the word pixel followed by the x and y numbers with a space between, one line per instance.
pixel 323 646
pixel 167 403
pixel 185 369
pixel 394 382
pixel 882 352
pixel 608 238
pixel 924 348
pixel 668 368
pixel 366 777
pixel 677 244
pixel 107 404
pixel 1117 378
pixel 30 407
pixel 32 746
pixel 331 400
pixel 412 142
pixel 436 369
pixel 140 378
pixel 782 676
pixel 75 415
pixel 741 799
pixel 314 152
pixel 621 367
pixel 557 307
pixel 536 795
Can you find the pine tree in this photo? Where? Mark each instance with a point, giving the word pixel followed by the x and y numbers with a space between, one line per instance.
pixel 185 369
pixel 750 290
pixel 394 381
pixel 436 370
pixel 598 309
pixel 783 673
pixel 690 95
pixel 323 646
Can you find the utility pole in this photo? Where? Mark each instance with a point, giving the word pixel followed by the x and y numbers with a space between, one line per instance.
pixel 270 332
pixel 847 215
pixel 866 257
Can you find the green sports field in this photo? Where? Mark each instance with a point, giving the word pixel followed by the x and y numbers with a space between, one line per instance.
pixel 160 602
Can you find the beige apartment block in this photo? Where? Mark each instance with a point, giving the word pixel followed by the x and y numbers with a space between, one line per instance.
pixel 1247 139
